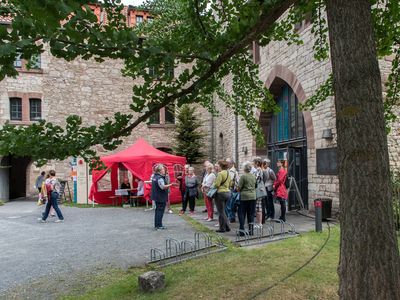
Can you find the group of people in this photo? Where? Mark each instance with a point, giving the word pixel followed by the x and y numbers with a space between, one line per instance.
pixel 49 192
pixel 250 196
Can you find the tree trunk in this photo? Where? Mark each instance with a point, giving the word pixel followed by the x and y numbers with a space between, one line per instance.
pixel 369 257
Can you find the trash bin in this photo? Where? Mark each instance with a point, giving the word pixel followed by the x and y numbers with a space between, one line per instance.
pixel 326 207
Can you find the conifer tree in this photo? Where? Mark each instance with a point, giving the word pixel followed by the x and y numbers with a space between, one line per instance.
pixel 189 137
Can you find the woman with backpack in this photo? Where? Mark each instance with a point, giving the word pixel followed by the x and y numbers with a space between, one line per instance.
pixel 53 187
pixel 280 189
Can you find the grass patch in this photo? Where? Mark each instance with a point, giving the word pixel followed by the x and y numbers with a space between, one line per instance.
pixel 240 273
pixel 1 202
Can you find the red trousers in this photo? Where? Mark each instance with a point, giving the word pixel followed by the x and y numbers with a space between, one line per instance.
pixel 209 205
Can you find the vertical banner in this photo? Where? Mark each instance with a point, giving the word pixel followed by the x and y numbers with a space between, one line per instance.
pixel 74 177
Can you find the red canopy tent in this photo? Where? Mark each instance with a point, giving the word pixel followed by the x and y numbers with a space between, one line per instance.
pixel 139 159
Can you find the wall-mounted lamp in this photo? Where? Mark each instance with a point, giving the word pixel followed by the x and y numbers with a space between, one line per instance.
pixel 327 134
pixel 245 150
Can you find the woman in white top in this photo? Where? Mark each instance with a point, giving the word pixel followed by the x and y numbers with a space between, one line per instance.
pixel 208 181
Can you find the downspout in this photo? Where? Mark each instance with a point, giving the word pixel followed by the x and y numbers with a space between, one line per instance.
pixel 212 152
pixel 237 141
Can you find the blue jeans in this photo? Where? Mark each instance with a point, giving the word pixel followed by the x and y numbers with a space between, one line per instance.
pixel 230 209
pixel 53 202
pixel 159 214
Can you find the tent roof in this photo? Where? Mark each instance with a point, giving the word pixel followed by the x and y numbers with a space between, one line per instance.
pixel 139 150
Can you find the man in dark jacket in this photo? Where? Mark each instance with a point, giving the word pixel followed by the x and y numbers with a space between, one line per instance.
pixel 159 193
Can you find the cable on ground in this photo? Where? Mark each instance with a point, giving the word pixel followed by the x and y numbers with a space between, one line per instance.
pixel 298 269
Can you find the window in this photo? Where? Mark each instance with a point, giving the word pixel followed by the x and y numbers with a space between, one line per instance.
pixel 170 114
pixel 155 118
pixel 18 61
pixel 165 116
pixel 152 71
pixel 35 109
pixel 150 19
pixel 156 72
pixel 102 16
pixel 288 124
pixel 16 109
pixel 139 19
pixel 35 62
pixel 169 71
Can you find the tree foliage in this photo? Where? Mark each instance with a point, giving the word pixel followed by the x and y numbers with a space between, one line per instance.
pixel 209 38
pixel 189 136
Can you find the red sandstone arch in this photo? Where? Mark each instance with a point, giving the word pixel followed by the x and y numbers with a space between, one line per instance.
pixel 290 78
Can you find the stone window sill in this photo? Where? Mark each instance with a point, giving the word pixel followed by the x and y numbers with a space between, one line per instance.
pixel 161 125
pixel 31 71
pixel 26 123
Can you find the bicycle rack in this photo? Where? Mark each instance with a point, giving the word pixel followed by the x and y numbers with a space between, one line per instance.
pixel 245 235
pixel 178 251
pixel 184 245
pixel 265 233
pixel 168 248
pixel 153 254
pixel 207 240
pixel 292 229
pixel 270 230
pixel 282 224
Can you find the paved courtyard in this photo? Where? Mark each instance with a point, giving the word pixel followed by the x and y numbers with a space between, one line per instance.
pixel 89 239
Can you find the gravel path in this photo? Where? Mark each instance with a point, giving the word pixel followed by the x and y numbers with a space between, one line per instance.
pixel 88 240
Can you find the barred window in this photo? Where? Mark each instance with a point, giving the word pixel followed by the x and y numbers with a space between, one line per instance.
pixel 139 19
pixel 18 61
pixel 35 109
pixel 16 109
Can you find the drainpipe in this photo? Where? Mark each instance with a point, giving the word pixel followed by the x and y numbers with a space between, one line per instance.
pixel 237 141
pixel 212 152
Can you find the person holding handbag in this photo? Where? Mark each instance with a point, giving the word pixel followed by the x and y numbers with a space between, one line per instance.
pixel 260 189
pixel 222 183
pixel 208 181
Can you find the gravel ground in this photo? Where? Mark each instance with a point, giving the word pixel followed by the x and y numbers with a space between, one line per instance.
pixel 89 240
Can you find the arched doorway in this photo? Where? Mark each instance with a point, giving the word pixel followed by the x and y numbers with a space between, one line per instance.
pixel 286 138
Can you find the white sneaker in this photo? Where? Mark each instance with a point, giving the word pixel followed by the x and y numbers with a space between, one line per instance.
pixel 59 221
pixel 41 220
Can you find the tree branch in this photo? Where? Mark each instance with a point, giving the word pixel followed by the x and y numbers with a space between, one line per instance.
pixel 264 23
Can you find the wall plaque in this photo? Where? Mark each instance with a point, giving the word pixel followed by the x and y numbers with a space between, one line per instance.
pixel 327 161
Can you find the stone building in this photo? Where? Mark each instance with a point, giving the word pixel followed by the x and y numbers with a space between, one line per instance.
pixel 54 89
pixel 307 140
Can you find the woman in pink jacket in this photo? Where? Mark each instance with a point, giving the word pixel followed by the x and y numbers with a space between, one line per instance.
pixel 281 192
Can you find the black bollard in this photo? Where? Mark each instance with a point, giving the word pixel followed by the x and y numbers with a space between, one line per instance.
pixel 318 215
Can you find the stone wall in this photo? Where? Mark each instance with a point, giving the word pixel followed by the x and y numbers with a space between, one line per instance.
pixel 297 66
pixel 89 89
